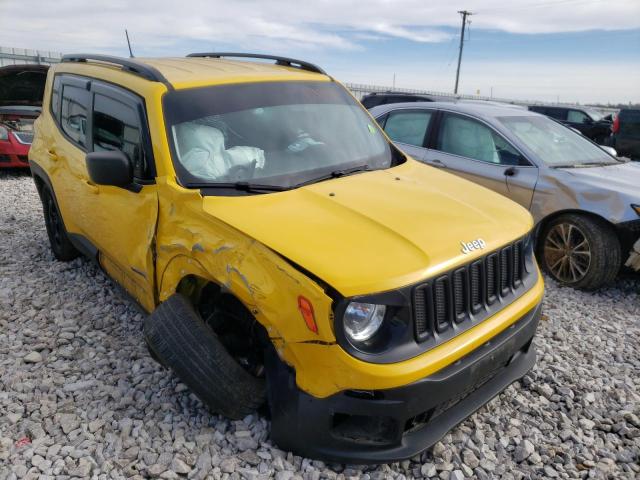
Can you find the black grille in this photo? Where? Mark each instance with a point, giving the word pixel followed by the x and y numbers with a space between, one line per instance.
pixel 463 293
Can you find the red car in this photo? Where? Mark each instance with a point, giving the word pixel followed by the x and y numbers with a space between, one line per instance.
pixel 21 91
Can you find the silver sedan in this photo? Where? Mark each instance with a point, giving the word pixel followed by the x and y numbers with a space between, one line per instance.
pixel 585 201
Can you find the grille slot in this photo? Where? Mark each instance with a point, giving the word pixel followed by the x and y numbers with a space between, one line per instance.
pixel 517 265
pixel 492 278
pixel 505 270
pixel 440 303
pixel 467 292
pixel 459 294
pixel 476 286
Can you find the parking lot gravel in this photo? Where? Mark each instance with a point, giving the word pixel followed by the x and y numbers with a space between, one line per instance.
pixel 80 396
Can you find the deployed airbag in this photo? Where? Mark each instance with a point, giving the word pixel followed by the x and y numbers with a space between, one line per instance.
pixel 202 151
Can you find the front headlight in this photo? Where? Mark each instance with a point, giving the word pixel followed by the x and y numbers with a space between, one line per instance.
pixel 362 320
pixel 636 208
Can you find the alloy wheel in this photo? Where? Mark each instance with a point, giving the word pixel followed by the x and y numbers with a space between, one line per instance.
pixel 567 252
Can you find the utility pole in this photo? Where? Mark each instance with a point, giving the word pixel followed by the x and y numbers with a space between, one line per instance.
pixel 464 14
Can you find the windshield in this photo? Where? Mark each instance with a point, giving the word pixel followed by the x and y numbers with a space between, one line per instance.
pixel 555 144
pixel 278 134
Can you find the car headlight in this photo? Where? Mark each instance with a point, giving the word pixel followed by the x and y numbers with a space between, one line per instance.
pixel 4 133
pixel 636 208
pixel 362 320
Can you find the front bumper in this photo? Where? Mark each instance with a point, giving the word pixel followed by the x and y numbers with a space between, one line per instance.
pixel 629 233
pixel 383 426
pixel 13 153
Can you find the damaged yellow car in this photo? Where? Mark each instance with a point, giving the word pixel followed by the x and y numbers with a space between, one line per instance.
pixel 288 254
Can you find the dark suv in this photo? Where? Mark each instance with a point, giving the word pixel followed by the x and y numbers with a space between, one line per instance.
pixel 625 133
pixel 589 122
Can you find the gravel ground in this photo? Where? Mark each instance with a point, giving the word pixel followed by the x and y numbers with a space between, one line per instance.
pixel 80 396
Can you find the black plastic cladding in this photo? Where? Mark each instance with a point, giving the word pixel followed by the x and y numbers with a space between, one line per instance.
pixel 464 305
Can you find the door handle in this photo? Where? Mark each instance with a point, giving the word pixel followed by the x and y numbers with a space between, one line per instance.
pixel 52 155
pixel 436 163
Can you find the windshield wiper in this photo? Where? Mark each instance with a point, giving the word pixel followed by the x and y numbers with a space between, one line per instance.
pixel 240 186
pixel 584 165
pixel 335 174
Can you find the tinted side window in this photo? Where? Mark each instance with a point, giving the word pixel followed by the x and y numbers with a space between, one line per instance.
pixel 116 126
pixel 630 123
pixel 75 107
pixel 469 138
pixel 408 127
pixel 55 99
pixel 576 116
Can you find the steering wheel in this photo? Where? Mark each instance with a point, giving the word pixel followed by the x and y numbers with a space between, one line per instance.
pixel 241 173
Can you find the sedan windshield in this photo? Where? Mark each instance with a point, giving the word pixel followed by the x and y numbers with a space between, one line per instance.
pixel 278 134
pixel 555 144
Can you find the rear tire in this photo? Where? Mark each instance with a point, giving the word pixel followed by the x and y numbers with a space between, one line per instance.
pixel 179 337
pixel 61 246
pixel 579 251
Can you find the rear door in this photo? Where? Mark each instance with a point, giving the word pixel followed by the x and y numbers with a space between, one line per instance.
pixel 473 150
pixel 557 113
pixel 70 107
pixel 409 129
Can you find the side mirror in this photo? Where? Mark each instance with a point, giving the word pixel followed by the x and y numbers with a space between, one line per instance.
pixel 588 120
pixel 110 168
pixel 610 150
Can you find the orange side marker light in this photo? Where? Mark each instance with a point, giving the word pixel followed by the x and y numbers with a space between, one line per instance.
pixel 306 309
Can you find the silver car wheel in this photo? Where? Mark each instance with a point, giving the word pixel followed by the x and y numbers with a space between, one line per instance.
pixel 567 252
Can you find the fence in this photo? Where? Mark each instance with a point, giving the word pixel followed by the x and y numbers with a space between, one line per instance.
pixel 17 56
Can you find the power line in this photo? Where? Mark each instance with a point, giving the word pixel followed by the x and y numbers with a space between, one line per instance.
pixel 464 14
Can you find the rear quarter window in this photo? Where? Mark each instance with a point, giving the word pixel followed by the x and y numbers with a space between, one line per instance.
pixel 55 99
pixel 75 108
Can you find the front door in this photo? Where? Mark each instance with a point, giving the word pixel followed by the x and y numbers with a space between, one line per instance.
pixel 122 224
pixel 580 121
pixel 473 150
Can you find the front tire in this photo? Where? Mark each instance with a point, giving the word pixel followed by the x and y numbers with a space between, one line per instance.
pixel 579 251
pixel 61 246
pixel 181 340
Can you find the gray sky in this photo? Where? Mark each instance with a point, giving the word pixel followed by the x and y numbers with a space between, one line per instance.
pixel 523 48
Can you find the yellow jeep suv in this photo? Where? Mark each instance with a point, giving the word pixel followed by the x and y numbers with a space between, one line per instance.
pixel 287 252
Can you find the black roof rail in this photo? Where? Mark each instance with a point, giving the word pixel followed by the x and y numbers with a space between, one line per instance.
pixel 128 65
pixel 282 61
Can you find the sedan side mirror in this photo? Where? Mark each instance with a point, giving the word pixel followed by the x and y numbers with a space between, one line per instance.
pixel 610 150
pixel 110 168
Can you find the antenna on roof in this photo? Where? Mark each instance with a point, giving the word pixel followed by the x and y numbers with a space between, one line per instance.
pixel 128 43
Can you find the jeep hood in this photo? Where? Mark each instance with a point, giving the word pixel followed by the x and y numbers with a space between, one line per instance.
pixel 378 230
pixel 22 85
